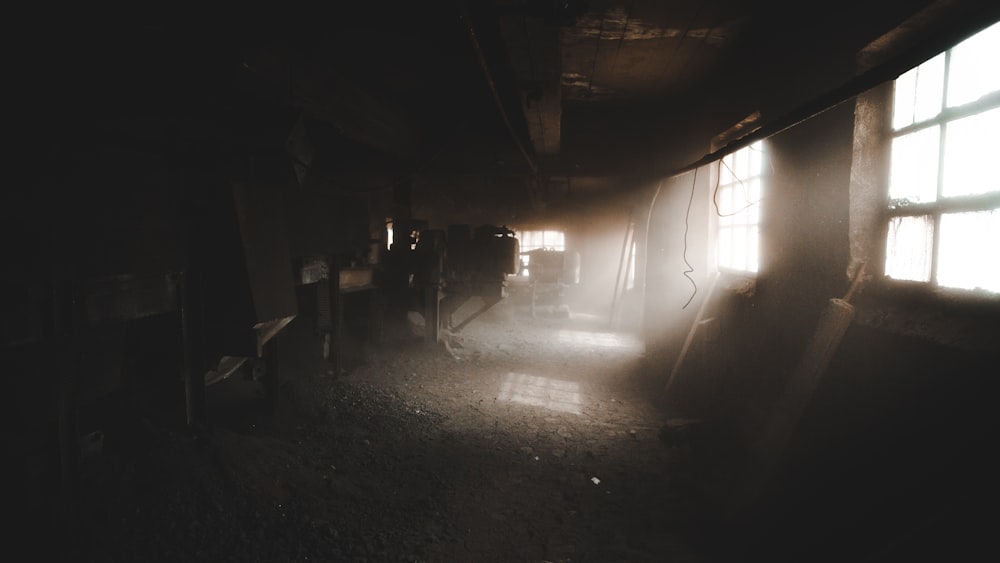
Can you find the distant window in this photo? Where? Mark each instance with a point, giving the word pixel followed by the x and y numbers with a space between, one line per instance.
pixel 736 201
pixel 944 188
pixel 538 240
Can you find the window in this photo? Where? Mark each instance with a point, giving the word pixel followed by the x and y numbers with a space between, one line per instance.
pixel 539 240
pixel 943 212
pixel 736 199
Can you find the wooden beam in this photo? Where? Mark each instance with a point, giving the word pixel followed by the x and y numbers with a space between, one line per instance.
pixel 672 378
pixel 780 427
pixel 535 54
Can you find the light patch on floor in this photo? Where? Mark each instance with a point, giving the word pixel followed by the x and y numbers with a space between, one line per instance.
pixel 552 394
pixel 596 339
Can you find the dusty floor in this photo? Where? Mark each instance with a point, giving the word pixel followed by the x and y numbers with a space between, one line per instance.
pixel 530 440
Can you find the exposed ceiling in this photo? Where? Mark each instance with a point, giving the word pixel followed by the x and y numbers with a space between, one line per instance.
pixel 450 90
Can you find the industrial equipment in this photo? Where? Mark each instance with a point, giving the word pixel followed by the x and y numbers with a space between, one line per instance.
pixel 436 272
pixel 551 272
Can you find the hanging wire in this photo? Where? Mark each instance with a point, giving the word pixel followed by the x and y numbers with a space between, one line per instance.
pixel 715 193
pixel 649 219
pixel 687 215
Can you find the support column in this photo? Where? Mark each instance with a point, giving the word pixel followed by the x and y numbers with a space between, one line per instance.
pixel 336 300
pixel 193 374
pixel 272 376
pixel 432 314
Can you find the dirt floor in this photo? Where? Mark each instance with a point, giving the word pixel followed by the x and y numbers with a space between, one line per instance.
pixel 525 440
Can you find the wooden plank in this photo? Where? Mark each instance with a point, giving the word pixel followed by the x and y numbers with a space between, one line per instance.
pixel 798 393
pixel 690 338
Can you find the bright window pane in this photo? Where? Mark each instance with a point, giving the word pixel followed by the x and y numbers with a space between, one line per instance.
pixel 731 205
pixel 739 249
pixel 970 165
pixel 726 247
pixel 913 175
pixel 973 69
pixel 533 240
pixel 738 199
pixel 742 167
pixel 756 159
pixel 748 202
pixel 726 207
pixel 739 204
pixel 961 253
pixel 725 171
pixel 918 93
pixel 752 249
pixel 967 250
pixel 909 247
pixel 754 190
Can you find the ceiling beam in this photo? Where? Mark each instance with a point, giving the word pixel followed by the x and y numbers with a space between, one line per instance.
pixel 488 74
pixel 535 55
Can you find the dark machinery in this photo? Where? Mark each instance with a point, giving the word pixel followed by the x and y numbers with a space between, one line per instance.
pixel 243 293
pixel 335 264
pixel 158 276
pixel 436 272
pixel 550 273
pixel 150 256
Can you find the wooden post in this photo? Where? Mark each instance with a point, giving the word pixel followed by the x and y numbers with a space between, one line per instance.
pixel 690 338
pixel 374 316
pixel 272 375
pixel 336 302
pixel 194 376
pixel 624 259
pixel 67 328
pixel 532 306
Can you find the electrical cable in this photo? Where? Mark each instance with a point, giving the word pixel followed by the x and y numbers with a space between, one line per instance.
pixel 649 219
pixel 715 193
pixel 687 215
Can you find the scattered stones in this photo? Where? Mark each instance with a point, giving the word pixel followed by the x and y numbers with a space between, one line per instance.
pixel 393 468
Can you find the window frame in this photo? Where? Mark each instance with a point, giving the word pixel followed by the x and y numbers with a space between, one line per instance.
pixel 942 205
pixel 716 223
pixel 524 249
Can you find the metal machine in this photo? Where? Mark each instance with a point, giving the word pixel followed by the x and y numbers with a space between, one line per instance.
pixel 436 272
pixel 551 272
